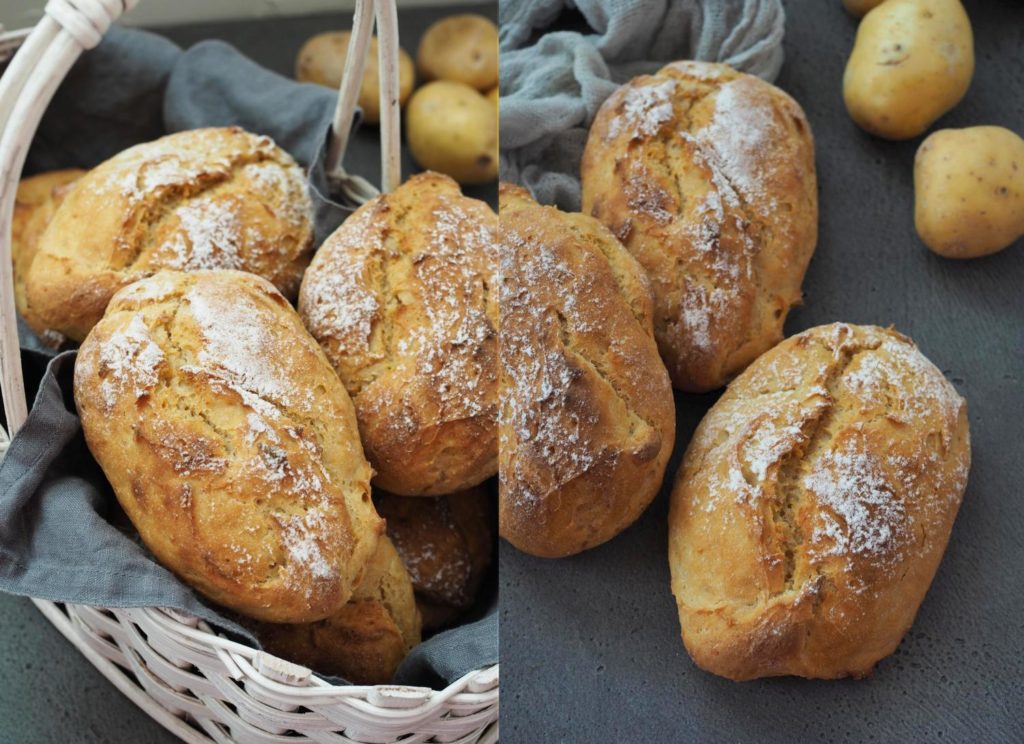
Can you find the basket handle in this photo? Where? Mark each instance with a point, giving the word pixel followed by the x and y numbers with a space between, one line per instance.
pixel 68 28
pixel 355 187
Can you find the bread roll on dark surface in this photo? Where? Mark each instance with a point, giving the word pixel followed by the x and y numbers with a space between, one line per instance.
pixel 200 199
pixel 230 443
pixel 707 176
pixel 814 504
pixel 587 419
pixel 400 299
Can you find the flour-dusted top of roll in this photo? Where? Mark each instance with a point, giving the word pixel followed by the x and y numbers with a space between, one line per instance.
pixel 814 504
pixel 230 443
pixel 400 299
pixel 587 419
pixel 707 176
pixel 200 199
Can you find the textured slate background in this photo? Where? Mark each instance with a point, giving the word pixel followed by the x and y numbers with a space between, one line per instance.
pixel 590 645
pixel 48 691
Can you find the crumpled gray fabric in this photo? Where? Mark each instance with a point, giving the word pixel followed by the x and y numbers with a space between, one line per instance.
pixel 63 536
pixel 554 81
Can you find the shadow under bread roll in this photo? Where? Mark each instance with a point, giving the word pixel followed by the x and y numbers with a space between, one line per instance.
pixel 446 543
pixel 400 299
pixel 230 443
pixel 218 198
pixel 707 176
pixel 34 206
pixel 587 419
pixel 814 504
pixel 364 641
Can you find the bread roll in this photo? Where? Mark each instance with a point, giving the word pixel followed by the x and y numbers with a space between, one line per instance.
pixel 587 420
pixel 446 543
pixel 367 639
pixel 230 443
pixel 707 176
pixel 399 298
pixel 202 199
pixel 814 504
pixel 35 203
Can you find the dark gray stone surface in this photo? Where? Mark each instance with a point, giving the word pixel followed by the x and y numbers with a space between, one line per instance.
pixel 590 644
pixel 48 691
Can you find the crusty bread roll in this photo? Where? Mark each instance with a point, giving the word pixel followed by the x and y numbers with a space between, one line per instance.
pixel 707 176
pixel 446 543
pixel 202 199
pixel 587 420
pixel 814 504
pixel 230 443
pixel 367 639
pixel 35 203
pixel 399 297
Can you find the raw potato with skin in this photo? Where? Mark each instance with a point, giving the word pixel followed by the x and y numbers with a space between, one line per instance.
pixel 707 177
pixel 587 418
pixel 912 62
pixel 453 129
pixel 401 298
pixel 462 48
pixel 969 191
pixel 230 443
pixel 322 60
pixel 814 504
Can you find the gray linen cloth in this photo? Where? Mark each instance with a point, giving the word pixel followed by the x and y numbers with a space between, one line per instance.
pixel 554 81
pixel 63 536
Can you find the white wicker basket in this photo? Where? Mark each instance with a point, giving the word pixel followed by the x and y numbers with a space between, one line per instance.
pixel 199 685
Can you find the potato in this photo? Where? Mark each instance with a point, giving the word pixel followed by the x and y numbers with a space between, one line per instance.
pixel 860 7
pixel 493 95
pixel 322 60
pixel 453 129
pixel 969 191
pixel 911 63
pixel 463 48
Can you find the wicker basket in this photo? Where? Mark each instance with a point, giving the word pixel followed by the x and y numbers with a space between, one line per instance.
pixel 199 685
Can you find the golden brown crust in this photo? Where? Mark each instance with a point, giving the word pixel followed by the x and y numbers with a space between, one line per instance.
pixel 587 418
pixel 201 199
pixel 367 639
pixel 399 298
pixel 814 504
pixel 230 443
pixel 35 203
pixel 707 176
pixel 445 542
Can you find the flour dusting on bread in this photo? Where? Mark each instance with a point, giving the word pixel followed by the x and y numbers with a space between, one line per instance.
pixel 130 361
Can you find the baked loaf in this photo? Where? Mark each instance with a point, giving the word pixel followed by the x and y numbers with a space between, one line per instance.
pixel 230 443
pixel 201 199
pixel 446 543
pixel 587 420
pixel 399 298
pixel 37 199
pixel 814 504
pixel 367 639
pixel 707 176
